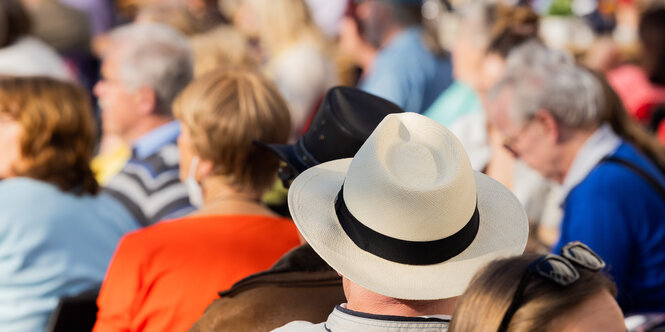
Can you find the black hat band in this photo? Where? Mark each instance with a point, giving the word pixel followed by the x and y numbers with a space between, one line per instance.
pixel 403 251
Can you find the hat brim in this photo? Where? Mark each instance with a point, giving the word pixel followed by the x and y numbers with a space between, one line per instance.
pixel 503 232
pixel 285 152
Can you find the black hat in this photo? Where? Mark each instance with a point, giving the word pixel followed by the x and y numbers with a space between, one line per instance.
pixel 346 117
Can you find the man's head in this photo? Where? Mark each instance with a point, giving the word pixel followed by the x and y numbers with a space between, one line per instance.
pixel 407 218
pixel 147 65
pixel 381 18
pixel 545 106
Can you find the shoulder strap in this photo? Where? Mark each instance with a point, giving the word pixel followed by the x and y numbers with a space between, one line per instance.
pixel 642 173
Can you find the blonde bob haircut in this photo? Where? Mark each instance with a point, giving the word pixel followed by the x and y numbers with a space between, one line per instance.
pixel 57 131
pixel 491 291
pixel 225 110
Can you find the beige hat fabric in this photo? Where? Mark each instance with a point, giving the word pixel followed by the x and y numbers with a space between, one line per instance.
pixel 412 219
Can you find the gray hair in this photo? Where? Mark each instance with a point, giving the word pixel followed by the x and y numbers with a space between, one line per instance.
pixel 156 56
pixel 541 78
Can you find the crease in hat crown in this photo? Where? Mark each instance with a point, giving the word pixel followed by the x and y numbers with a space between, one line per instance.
pixel 411 180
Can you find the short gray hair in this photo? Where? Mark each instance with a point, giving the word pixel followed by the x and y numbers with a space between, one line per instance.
pixel 541 78
pixel 156 56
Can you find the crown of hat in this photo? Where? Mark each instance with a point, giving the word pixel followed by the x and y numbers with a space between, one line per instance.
pixel 411 180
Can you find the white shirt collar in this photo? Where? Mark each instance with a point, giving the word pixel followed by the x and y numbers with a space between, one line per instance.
pixel 443 317
pixel 602 143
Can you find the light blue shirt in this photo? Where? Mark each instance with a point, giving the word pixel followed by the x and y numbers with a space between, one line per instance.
pixel 52 244
pixel 407 73
pixel 454 103
pixel 153 141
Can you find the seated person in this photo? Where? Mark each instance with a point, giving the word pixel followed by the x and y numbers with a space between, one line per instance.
pixel 301 286
pixel 565 123
pixel 406 223
pixel 57 235
pixel 541 293
pixel 144 68
pixel 163 277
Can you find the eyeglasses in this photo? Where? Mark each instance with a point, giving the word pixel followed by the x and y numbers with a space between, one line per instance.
pixel 558 269
pixel 509 142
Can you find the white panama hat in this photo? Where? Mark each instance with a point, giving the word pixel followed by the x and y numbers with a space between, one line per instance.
pixel 412 219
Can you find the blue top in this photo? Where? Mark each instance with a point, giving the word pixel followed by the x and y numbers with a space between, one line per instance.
pixel 52 244
pixel 407 73
pixel 148 186
pixel 622 218
pixel 157 138
pixel 458 100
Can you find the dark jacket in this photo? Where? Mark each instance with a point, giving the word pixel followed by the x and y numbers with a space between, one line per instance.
pixel 300 286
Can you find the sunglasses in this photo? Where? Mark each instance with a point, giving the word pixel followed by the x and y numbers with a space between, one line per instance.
pixel 559 269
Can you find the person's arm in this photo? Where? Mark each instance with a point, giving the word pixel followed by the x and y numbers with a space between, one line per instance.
pixel 116 299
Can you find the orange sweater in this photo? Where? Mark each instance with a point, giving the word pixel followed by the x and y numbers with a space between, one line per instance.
pixel 163 277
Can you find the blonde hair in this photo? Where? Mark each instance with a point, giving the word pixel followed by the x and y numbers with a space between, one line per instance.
pixel 283 23
pixel 175 15
pixel 223 46
pixel 57 137
pixel 485 302
pixel 225 110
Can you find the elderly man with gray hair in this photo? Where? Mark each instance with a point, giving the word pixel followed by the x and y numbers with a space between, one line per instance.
pixel 147 65
pixel 567 123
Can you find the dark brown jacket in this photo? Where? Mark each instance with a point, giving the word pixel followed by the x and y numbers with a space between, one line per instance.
pixel 301 286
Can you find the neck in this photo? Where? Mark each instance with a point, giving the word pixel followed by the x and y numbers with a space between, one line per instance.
pixel 217 189
pixel 364 300
pixel 144 126
pixel 221 198
pixel 391 34
pixel 569 150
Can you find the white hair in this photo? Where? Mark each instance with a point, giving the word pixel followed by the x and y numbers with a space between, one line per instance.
pixel 541 78
pixel 156 56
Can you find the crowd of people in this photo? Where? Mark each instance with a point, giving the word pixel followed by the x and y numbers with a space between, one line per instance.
pixel 347 165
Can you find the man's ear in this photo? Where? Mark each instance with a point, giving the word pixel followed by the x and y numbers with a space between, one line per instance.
pixel 146 100
pixel 551 129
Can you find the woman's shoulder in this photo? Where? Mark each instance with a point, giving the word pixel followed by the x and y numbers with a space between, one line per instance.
pixel 31 201
pixel 195 220
pixel 218 223
pixel 35 201
pixel 166 234
pixel 17 188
